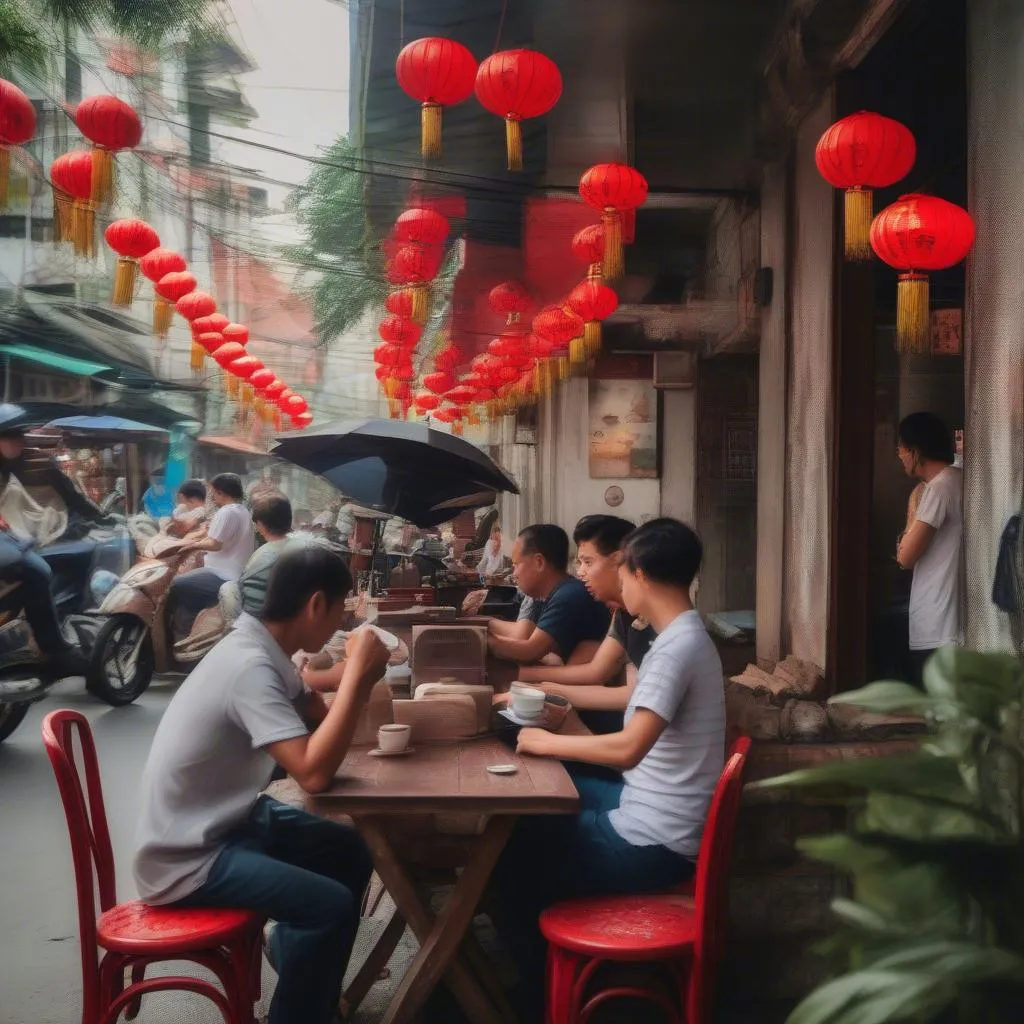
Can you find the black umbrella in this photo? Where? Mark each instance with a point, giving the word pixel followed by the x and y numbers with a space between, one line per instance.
pixel 405 469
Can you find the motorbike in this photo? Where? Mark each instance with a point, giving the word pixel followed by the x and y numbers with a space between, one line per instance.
pixel 118 670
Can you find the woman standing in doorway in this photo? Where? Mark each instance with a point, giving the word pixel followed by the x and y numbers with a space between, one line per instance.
pixel 931 545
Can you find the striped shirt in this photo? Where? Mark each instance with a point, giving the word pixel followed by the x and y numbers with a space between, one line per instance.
pixel 666 796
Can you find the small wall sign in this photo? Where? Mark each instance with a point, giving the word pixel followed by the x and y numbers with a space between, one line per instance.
pixel 947 332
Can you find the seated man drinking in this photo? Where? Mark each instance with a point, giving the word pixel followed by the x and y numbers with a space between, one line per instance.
pixel 206 838
pixel 569 623
pixel 592 686
pixel 640 832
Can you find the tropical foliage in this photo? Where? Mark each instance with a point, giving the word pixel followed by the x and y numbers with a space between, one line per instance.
pixel 339 257
pixel 32 30
pixel 934 931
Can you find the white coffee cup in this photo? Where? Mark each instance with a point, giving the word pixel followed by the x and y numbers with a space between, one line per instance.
pixel 393 739
pixel 527 702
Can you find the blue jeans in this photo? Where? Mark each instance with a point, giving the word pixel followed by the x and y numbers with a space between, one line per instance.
pixel 556 857
pixel 309 876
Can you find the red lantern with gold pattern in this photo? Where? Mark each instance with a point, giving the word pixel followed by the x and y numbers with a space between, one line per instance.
pixel 613 189
pixel 73 210
pixel 131 240
pixel 919 233
pixel 399 303
pixel 517 84
pixel 558 325
pixel 859 153
pixel 422 227
pixel 400 331
pixel 588 247
pixel 156 264
pixel 510 300
pixel 415 266
pixel 110 125
pixel 17 126
pixel 594 302
pixel 438 73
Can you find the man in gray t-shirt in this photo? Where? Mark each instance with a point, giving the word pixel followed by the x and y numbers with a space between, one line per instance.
pixel 205 836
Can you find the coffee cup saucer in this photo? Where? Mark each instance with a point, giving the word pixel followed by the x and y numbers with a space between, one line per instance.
pixel 511 716
pixel 377 752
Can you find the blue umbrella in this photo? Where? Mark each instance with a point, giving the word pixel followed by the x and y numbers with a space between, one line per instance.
pixel 109 426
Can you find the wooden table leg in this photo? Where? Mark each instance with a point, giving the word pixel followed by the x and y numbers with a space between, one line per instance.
pixel 369 973
pixel 440 937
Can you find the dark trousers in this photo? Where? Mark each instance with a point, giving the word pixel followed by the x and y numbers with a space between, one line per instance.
pixel 191 593
pixel 37 600
pixel 917 662
pixel 309 876
pixel 556 857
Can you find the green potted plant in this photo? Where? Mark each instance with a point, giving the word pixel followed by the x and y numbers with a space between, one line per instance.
pixel 934 929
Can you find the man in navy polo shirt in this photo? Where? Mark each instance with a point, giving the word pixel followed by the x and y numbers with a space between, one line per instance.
pixel 568 616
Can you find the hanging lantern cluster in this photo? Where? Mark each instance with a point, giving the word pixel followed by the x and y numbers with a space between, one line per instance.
pixel 17 126
pixel 110 125
pixel 859 153
pixel 131 240
pixel 155 265
pixel 73 209
pixel 616 190
pixel 513 84
pixel 915 235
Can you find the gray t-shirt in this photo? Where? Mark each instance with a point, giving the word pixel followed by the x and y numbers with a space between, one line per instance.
pixel 207 764
pixel 935 594
pixel 252 584
pixel 666 796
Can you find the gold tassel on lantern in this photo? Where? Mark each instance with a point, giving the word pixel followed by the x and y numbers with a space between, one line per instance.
pixel 858 211
pixel 195 358
pixel 592 338
pixel 248 395
pixel 163 316
pixel 63 217
pixel 102 175
pixel 430 131
pixel 83 228
pixel 564 368
pixel 614 257
pixel 577 351
pixel 231 386
pixel 420 304
pixel 514 143
pixel 457 428
pixel 125 276
pixel 473 419
pixel 913 326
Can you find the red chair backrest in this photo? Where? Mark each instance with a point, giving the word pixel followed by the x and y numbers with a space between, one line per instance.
pixel 91 851
pixel 713 875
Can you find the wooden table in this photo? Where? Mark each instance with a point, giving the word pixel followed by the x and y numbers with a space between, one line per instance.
pixel 442 779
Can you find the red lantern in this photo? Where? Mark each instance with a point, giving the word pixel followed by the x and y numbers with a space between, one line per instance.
pixel 196 304
pixel 509 299
pixel 156 264
pixel 235 332
pixel 245 367
pixel 109 124
pixel 387 354
pixel 462 394
pixel 613 189
pixel 588 247
pixel 131 240
pixel 17 126
pixel 211 322
pixel 416 266
pixel 175 285
pixel 215 345
pixel 399 303
pixel 422 227
pixel 73 211
pixel 425 401
pixel 439 382
pixel 594 302
pixel 295 405
pixel 260 379
pixel 557 325
pixel 438 73
pixel 859 153
pixel 302 420
pixel 448 358
pixel 919 233
pixel 400 331
pixel 516 84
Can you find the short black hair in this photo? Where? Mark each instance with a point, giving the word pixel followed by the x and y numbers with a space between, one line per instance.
pixel 274 512
pixel 549 541
pixel 299 573
pixel 665 550
pixel 606 533
pixel 193 489
pixel 229 484
pixel 928 435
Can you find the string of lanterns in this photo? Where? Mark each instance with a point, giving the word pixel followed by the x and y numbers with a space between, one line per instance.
pixel 915 235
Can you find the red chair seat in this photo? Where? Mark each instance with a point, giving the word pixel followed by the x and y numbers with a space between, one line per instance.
pixel 623 927
pixel 137 928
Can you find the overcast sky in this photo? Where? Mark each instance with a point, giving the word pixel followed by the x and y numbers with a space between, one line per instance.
pixel 299 89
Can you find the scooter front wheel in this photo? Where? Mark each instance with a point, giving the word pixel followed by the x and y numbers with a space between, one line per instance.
pixel 122 662
pixel 11 716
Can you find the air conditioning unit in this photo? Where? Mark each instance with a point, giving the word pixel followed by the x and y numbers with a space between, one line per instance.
pixel 675 370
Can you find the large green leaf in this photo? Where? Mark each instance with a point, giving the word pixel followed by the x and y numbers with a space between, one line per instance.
pixel 887 697
pixel 984 684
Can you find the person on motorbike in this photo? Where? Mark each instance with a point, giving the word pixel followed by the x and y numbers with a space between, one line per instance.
pixel 19 562
pixel 272 517
pixel 156 502
pixel 228 545
pixel 190 511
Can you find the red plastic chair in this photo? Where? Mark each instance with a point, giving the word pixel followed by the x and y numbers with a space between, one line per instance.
pixel 683 935
pixel 134 935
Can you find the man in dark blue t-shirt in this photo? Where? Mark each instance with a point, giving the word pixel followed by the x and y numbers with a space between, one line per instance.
pixel 568 616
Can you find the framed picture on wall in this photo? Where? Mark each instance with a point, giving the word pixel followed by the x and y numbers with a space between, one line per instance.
pixel 623 430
